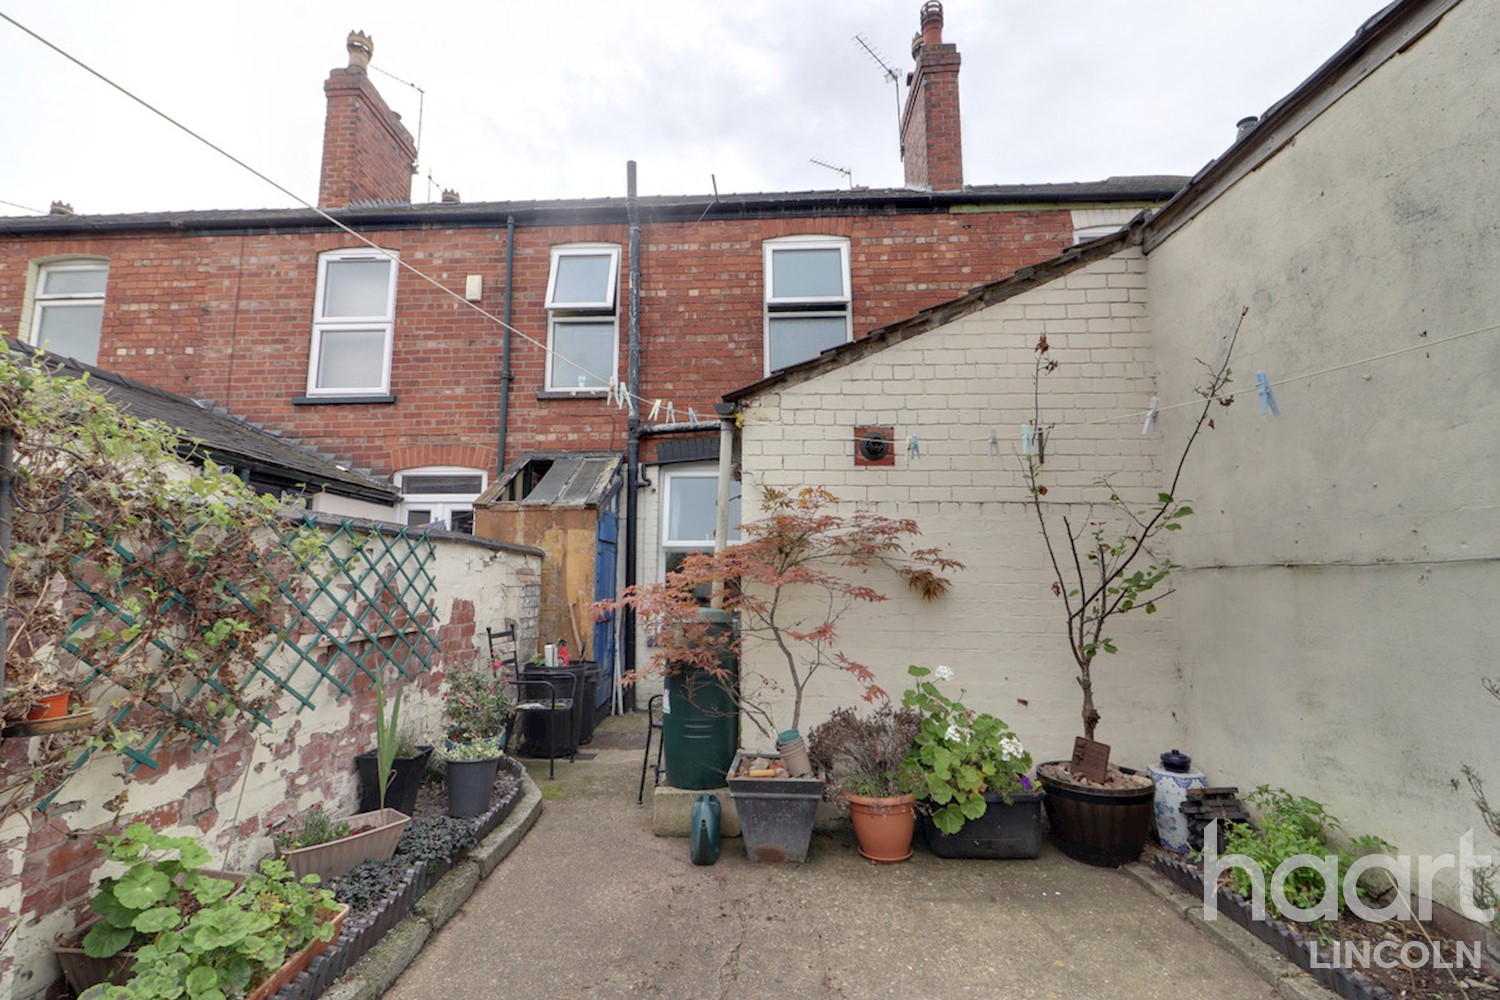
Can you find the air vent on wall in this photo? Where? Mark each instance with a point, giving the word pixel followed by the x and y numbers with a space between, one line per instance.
pixel 874 446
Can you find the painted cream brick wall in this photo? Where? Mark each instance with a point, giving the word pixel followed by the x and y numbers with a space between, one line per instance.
pixel 1001 628
pixel 1355 536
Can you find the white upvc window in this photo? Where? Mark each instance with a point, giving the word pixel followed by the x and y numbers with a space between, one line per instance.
pixel 67 307
pixel 441 496
pixel 583 332
pixel 353 324
pixel 689 512
pixel 807 298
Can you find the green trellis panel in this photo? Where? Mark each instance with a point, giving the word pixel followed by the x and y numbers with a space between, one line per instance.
pixel 372 606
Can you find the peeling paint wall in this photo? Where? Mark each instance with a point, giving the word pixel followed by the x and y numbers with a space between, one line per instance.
pixel 229 795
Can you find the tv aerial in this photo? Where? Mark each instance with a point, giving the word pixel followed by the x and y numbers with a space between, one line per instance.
pixel 891 75
pixel 838 170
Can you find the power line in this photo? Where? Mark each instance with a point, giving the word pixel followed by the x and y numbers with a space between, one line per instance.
pixel 616 391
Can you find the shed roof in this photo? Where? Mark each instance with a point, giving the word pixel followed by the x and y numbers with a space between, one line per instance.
pixel 573 479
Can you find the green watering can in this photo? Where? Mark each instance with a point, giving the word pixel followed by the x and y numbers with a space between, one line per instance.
pixel 705 842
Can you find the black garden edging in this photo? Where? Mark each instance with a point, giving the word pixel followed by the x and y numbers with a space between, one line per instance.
pixel 1284 938
pixel 364 932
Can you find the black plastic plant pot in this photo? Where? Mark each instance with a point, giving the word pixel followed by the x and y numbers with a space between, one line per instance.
pixel 470 785
pixel 406 777
pixel 1011 830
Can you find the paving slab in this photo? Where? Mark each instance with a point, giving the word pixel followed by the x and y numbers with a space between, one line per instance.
pixel 592 904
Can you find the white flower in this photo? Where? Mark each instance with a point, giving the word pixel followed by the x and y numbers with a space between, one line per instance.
pixel 942 673
pixel 1011 748
pixel 954 733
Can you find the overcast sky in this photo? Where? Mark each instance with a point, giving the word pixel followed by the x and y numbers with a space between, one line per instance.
pixel 533 100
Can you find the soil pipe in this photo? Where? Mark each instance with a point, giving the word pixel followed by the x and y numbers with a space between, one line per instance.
pixel 506 375
pixel 625 661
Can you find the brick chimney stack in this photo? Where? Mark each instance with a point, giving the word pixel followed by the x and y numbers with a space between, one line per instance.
pixel 368 155
pixel 931 140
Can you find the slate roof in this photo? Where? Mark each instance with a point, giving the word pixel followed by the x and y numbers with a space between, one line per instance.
pixel 228 439
pixel 658 208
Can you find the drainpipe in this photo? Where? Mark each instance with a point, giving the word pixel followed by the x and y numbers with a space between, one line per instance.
pixel 625 662
pixel 506 375
pixel 726 470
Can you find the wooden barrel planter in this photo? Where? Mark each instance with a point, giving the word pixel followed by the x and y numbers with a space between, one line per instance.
pixel 1107 827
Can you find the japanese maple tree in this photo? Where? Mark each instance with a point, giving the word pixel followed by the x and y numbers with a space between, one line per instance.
pixel 791 580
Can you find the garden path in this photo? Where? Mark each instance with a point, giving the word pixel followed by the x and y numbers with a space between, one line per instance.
pixel 593 905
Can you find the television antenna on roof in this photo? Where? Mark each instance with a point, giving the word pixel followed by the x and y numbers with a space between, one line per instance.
pixel 891 75
pixel 838 170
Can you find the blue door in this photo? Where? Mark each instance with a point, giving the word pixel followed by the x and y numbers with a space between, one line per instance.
pixel 605 548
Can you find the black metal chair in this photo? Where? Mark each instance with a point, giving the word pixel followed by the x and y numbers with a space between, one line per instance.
pixel 653 724
pixel 544 716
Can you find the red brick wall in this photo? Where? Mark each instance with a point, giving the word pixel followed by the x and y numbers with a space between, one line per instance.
pixel 931 134
pixel 229 318
pixel 367 152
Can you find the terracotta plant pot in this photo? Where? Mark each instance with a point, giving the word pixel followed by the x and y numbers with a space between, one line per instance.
pixel 53 706
pixel 298 963
pixel 884 826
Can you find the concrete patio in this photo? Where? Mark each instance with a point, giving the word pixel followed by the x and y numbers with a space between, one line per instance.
pixel 593 904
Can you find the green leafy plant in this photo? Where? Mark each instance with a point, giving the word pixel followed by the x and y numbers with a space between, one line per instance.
pixel 960 754
pixel 228 946
pixel 476 703
pixel 867 755
pixel 483 748
pixel 160 887
pixel 138 571
pixel 369 882
pixel 435 840
pixel 1103 566
pixel 789 581
pixel 1291 825
pixel 317 827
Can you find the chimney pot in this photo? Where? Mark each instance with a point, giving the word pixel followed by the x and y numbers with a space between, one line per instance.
pixel 361 49
pixel 450 197
pixel 1245 126
pixel 60 208
pixel 932 23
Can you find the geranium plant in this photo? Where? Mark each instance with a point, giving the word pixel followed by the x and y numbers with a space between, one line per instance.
pixel 797 572
pixel 960 754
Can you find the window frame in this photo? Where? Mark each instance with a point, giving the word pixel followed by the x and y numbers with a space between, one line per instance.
pixel 804 307
pixel 38 301
pixel 445 503
pixel 321 325
pixel 671 546
pixel 564 314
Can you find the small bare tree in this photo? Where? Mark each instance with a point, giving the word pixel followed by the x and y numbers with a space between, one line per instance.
pixel 1097 573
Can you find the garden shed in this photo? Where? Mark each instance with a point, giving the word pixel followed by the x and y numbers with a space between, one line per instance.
pixel 568 505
